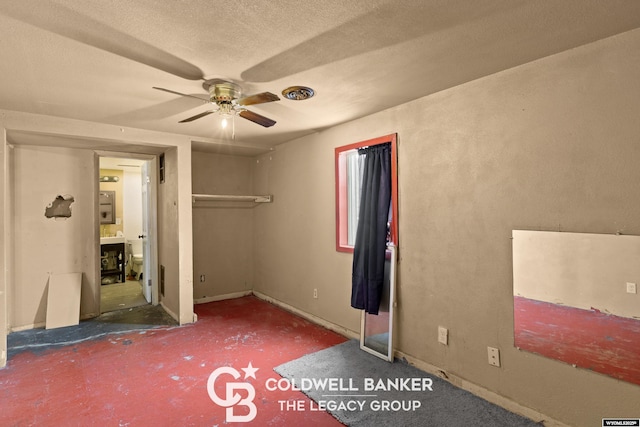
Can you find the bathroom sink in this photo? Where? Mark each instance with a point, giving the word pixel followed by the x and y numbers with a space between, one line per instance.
pixel 111 240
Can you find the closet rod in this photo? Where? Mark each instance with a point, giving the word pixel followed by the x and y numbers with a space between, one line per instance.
pixel 228 197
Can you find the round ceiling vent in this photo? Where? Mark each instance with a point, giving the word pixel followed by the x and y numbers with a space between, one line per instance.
pixel 298 93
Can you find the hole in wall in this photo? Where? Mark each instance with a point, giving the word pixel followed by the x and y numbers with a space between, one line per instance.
pixel 60 207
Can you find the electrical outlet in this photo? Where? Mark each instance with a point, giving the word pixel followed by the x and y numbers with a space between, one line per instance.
pixel 494 356
pixel 315 292
pixel 202 278
pixel 631 288
pixel 443 335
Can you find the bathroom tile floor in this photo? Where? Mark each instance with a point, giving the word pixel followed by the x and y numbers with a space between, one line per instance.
pixel 119 296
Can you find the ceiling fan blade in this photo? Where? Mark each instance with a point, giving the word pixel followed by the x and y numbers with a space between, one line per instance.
pixel 206 101
pixel 197 116
pixel 259 98
pixel 257 118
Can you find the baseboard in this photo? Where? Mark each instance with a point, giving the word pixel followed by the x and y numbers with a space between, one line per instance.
pixel 27 327
pixel 89 316
pixel 482 392
pixel 222 297
pixel 310 317
pixel 44 324
pixel 171 313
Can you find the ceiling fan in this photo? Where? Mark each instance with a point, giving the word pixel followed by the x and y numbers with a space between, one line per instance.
pixel 225 96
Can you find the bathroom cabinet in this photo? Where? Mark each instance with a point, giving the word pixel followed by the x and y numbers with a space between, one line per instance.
pixel 112 261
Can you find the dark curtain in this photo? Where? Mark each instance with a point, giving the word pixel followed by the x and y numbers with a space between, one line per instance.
pixel 371 235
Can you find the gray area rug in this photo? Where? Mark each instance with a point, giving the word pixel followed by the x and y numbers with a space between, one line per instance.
pixel 360 389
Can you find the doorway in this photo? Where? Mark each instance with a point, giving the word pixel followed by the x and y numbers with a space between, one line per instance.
pixel 126 211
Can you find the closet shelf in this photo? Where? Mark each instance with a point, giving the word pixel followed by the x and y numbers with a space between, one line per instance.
pixel 233 198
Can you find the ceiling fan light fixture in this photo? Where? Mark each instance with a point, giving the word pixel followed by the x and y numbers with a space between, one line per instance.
pixel 298 93
pixel 226 97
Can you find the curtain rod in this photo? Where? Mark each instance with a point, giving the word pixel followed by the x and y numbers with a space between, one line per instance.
pixel 229 197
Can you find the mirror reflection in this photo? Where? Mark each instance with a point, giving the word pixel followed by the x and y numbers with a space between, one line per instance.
pixel 575 299
pixel 376 335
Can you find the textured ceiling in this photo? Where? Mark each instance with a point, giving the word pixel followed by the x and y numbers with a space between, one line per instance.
pixel 98 60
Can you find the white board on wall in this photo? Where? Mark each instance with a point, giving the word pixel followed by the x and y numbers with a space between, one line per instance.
pixel 578 269
pixel 63 300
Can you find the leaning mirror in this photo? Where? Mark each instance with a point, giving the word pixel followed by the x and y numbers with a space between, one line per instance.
pixel 376 330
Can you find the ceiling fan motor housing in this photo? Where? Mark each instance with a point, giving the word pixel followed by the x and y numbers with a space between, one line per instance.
pixel 224 92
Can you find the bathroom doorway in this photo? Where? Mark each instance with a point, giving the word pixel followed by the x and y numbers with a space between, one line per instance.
pixel 127 232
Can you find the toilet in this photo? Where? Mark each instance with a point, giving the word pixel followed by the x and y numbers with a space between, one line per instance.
pixel 136 261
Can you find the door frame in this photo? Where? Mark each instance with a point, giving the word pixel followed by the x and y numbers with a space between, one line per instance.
pixel 152 219
pixel 152 231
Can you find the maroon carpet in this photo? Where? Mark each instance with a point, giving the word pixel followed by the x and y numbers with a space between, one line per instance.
pixel 589 339
pixel 159 377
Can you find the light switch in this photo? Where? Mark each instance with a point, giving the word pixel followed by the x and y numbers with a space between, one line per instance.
pixel 443 335
pixel 631 288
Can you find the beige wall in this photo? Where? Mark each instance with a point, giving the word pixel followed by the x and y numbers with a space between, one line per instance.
pixel 44 246
pixel 175 236
pixel 295 235
pixel 551 145
pixel 223 241
pixel 168 251
pixel 586 271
